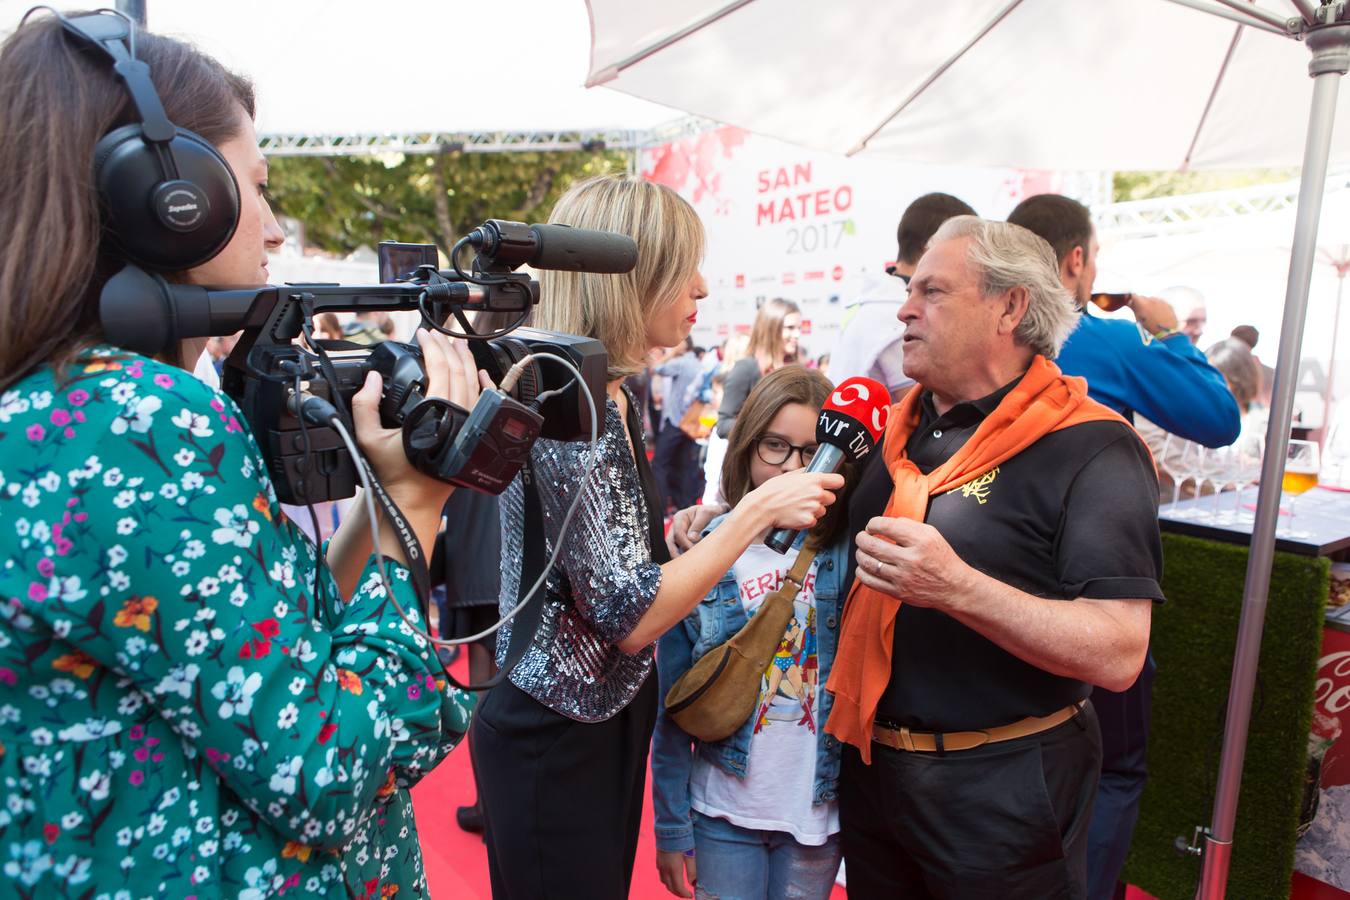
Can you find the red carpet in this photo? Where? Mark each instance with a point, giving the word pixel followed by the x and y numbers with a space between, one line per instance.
pixel 457 862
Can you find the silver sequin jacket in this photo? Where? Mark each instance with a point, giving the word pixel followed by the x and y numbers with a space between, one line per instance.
pixel 603 582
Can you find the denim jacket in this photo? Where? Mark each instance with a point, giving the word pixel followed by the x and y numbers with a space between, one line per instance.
pixel 716 619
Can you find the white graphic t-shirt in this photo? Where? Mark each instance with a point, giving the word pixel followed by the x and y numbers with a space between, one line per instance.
pixel 776 792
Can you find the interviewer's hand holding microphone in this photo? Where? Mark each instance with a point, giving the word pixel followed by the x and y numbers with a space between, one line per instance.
pixel 850 424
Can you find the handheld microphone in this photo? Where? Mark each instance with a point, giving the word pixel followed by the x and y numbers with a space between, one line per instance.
pixel 554 247
pixel 850 424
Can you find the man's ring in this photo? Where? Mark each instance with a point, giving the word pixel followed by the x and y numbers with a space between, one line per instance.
pixel 876 569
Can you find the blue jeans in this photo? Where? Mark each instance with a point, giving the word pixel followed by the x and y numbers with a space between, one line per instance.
pixel 737 863
pixel 1124 721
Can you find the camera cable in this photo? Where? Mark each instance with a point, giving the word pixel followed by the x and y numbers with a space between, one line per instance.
pixel 323 412
pixel 305 466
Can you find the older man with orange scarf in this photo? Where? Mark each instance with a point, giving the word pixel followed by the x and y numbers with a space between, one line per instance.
pixel 1007 560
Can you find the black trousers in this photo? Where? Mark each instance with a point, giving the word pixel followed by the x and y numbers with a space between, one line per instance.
pixel 1006 821
pixel 675 463
pixel 562 799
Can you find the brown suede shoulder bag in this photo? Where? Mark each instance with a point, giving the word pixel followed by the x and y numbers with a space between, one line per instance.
pixel 719 692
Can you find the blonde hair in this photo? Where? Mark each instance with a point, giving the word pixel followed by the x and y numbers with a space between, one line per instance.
pixel 734 349
pixel 615 309
pixel 1010 256
pixel 766 336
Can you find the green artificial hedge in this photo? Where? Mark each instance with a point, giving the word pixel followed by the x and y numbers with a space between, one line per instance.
pixel 1194 636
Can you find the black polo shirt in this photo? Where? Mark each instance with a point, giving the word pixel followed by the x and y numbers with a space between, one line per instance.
pixel 1073 515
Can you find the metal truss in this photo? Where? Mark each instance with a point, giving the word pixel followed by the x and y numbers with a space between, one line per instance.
pixel 1191 213
pixel 674 130
pixel 1131 219
pixel 365 144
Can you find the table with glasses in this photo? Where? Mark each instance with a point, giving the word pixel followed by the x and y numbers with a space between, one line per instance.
pixel 1295 803
pixel 1315 523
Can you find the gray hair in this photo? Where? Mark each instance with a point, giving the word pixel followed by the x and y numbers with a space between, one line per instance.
pixel 1010 256
pixel 1239 367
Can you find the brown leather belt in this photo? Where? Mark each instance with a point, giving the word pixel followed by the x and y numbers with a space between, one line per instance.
pixel 928 742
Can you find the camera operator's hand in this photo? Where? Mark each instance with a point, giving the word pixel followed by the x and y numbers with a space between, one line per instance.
pixel 451 375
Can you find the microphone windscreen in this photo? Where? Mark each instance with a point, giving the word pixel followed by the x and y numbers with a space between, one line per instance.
pixel 582 250
pixel 864 400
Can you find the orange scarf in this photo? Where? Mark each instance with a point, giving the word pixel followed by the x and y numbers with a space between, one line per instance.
pixel 1043 401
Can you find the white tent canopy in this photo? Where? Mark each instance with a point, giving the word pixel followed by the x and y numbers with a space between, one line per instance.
pixel 398 66
pixel 1047 84
pixel 1058 84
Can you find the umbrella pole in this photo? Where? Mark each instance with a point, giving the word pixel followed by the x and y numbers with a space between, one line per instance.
pixel 1342 268
pixel 1330 45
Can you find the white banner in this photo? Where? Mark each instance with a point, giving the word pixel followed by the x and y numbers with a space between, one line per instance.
pixel 809 226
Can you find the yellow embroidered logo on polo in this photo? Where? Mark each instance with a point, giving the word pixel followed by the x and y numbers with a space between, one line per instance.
pixel 979 487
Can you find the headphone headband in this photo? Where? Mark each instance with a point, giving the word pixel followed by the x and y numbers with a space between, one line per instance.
pixel 114 38
pixel 169 199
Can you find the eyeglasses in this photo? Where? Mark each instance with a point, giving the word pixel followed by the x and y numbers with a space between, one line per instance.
pixel 775 451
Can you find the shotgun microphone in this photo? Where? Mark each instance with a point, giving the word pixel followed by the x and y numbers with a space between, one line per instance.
pixel 560 247
pixel 850 424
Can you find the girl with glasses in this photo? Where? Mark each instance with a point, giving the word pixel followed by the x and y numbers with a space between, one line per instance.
pixel 754 815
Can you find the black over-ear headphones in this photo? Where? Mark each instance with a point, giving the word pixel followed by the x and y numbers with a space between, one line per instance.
pixel 170 200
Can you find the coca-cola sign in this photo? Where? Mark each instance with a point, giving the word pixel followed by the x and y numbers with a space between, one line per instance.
pixel 1331 707
pixel 1324 846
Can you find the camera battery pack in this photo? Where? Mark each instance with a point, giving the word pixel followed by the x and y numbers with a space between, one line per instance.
pixel 492 445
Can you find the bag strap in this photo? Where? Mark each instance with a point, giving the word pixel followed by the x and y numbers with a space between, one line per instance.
pixel 792 581
pixel 784 596
pixel 651 494
pixel 797 574
pixel 533 558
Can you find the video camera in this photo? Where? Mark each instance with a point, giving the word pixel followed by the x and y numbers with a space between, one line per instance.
pixel 293 394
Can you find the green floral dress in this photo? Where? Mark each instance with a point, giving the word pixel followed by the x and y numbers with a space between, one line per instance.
pixel 180 714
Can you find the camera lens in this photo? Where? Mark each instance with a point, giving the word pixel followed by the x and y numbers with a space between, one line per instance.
pixel 505 353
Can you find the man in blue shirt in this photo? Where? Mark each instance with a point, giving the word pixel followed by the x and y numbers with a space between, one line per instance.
pixel 675 462
pixel 1149 367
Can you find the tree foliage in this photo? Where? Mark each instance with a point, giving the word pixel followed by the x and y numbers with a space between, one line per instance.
pixel 347 201
pixel 1147 185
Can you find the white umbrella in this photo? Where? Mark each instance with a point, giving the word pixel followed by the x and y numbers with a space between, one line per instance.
pixel 1047 84
pixel 1039 83
pixel 399 66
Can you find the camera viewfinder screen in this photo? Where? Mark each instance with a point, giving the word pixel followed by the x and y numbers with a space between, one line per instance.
pixel 398 262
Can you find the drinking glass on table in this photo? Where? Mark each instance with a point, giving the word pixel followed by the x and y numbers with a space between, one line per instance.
pixel 1178 461
pixel 1250 450
pixel 1336 456
pixel 1193 463
pixel 1301 467
pixel 1220 469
